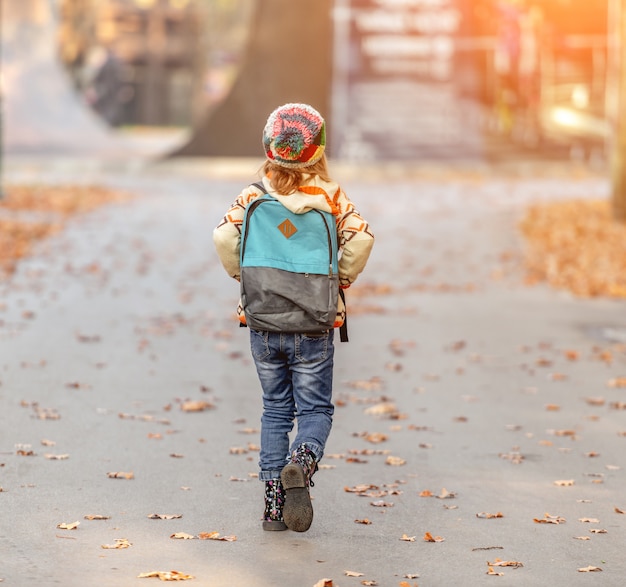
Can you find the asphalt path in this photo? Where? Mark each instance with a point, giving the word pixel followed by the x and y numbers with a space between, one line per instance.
pixel 471 408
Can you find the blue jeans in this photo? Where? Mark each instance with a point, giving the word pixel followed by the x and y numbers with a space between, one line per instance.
pixel 296 375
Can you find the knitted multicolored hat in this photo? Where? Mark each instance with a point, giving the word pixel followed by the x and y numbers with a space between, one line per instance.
pixel 295 136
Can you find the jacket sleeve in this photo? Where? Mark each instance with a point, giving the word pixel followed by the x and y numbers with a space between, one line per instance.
pixel 356 240
pixel 227 234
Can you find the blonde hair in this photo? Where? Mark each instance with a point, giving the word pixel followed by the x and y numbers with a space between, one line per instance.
pixel 286 180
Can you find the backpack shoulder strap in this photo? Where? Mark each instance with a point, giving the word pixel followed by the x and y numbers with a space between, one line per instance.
pixel 343 329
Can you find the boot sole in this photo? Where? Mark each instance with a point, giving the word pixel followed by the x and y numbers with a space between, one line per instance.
pixel 274 526
pixel 298 511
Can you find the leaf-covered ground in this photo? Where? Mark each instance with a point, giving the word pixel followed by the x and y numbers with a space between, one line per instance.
pixel 31 213
pixel 576 245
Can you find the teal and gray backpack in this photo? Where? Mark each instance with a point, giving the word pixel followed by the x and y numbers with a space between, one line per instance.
pixel 289 275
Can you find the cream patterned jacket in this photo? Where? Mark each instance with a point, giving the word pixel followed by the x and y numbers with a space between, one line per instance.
pixel 354 235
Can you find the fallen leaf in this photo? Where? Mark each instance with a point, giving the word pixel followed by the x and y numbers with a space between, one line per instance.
pixel 445 494
pixel 589 569
pixel 382 409
pixel 182 536
pixel 25 453
pixel 426 493
pixel 557 376
pixel 564 483
pixel 548 519
pixel 364 521
pixel 353 574
pixel 598 531
pixel 492 571
pixel 324 583
pixel 515 457
pixel 489 516
pixel 121 475
pixel 617 382
pixel 53 457
pixel 68 526
pixel 582 538
pixel 428 537
pixel 589 520
pixel 216 536
pixel 619 511
pixel 359 488
pixel 165 516
pixel 376 437
pixel 406 538
pixel 501 563
pixel 381 504
pixel 166 576
pixel 395 461
pixel 97 517
pixel 120 543
pixel 196 406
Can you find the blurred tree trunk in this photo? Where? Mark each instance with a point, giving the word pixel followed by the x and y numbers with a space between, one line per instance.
pixel 288 59
pixel 618 105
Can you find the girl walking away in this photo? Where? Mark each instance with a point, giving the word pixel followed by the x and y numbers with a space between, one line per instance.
pixel 293 353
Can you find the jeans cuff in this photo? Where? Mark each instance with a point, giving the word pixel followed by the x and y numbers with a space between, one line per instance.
pixel 269 475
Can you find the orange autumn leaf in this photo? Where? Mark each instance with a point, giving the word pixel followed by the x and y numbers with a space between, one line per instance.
pixel 121 475
pixel 548 519
pixel 617 382
pixel 500 563
pixel 166 576
pixel 196 406
pixel 216 536
pixel 428 537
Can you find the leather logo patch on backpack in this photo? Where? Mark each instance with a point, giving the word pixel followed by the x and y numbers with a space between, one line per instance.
pixel 287 228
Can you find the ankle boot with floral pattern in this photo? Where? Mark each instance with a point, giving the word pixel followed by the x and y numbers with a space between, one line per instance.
pixel 274 503
pixel 296 478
